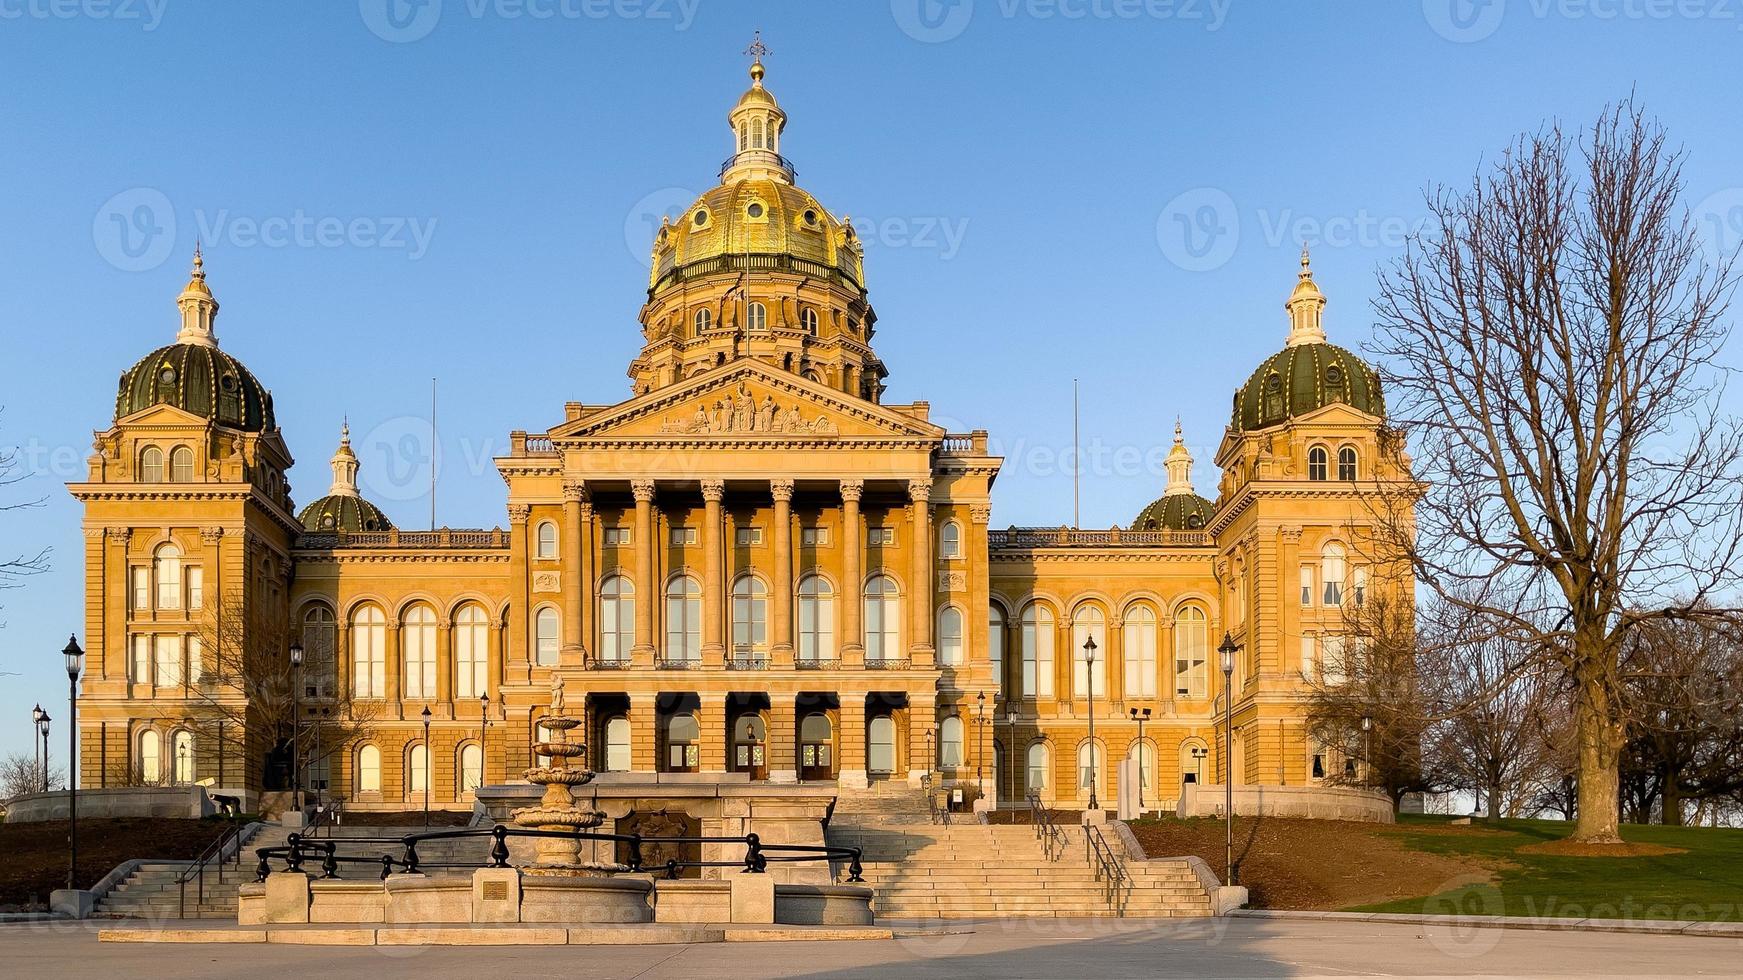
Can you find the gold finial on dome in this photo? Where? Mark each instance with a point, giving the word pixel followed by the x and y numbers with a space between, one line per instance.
pixel 1179 465
pixel 757 122
pixel 1306 307
pixel 344 464
pixel 757 52
pixel 199 309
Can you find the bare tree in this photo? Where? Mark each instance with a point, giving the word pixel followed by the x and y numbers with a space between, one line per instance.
pixel 17 566
pixel 21 774
pixel 1550 343
pixel 1493 741
pixel 1685 720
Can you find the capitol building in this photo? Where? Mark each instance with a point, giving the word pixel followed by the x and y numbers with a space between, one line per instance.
pixel 756 564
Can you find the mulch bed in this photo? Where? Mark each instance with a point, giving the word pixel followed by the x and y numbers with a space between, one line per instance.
pixel 33 856
pixel 1568 848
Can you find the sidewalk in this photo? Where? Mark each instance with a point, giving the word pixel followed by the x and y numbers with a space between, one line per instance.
pixel 1659 927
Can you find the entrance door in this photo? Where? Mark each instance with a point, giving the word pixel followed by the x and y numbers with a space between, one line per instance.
pixel 816 748
pixel 750 747
pixel 880 746
pixel 682 738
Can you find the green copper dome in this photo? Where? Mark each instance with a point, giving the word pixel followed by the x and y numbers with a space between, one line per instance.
pixel 1301 379
pixel 199 379
pixel 344 512
pixel 1175 512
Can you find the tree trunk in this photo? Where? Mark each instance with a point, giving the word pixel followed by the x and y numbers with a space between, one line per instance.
pixel 1671 801
pixel 1600 738
pixel 1495 801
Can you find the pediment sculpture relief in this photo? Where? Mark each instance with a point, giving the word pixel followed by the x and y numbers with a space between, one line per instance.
pixel 743 413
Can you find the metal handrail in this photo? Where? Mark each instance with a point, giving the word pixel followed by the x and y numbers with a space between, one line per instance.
pixel 299 849
pixel 1046 831
pixel 1110 868
pixel 196 870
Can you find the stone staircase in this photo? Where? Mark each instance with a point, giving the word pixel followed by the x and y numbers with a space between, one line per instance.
pixel 970 870
pixel 151 891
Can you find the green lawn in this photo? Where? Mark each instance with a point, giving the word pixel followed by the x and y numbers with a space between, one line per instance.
pixel 1706 883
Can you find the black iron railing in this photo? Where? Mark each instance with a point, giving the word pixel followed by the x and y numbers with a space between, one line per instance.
pixel 1052 838
pixel 747 662
pixel 212 857
pixel 300 850
pixel 1110 868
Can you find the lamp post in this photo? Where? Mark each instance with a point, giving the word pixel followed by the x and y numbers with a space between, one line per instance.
pixel 1089 683
pixel 296 662
pixel 1227 650
pixel 1140 718
pixel 483 737
pixel 1199 754
pixel 1011 746
pixel 42 727
pixel 35 725
pixel 427 754
pixel 980 745
pixel 1368 749
pixel 75 659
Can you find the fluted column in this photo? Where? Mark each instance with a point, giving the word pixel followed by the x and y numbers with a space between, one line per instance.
pixel 852 576
pixel 781 643
pixel 713 578
pixel 516 669
pixel 646 591
pixel 921 650
pixel 444 668
pixel 574 584
pixel 395 668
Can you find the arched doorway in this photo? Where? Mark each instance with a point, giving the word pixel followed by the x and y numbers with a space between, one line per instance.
pixel 683 743
pixel 750 746
pixel 880 746
pixel 816 747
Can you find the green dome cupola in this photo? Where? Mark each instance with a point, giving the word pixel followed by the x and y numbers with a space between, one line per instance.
pixel 1308 373
pixel 193 374
pixel 343 508
pixel 1179 508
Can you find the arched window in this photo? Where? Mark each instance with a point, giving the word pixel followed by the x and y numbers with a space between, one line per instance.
pixel 995 643
pixel 369 769
pixel 167 562
pixel 950 637
pixel 816 747
pixel 1192 761
pixel 150 757
pixel 320 633
pixel 757 139
pixel 1347 463
pixel 1038 636
pixel 1316 463
pixel 1144 753
pixel 950 743
pixel 471 768
pixel 547 637
pixel 682 749
pixel 1038 765
pixel 617 744
pixel 704 320
pixel 816 620
pixel 1089 759
pixel 683 620
pixel 1191 650
pixel 616 619
pixel 368 652
pixel 1139 637
pixel 181 465
pixel 808 320
pixel 471 651
pixel 880 745
pixel 750 745
pixel 757 317
pixel 418 648
pixel 151 465
pixel 181 747
pixel 417 770
pixel 547 540
pixel 1088 623
pixel 1331 572
pixel 750 615
pixel 883 620
pixel 950 540
pixel 744 137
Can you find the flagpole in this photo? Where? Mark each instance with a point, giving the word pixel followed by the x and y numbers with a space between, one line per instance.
pixel 1076 464
pixel 433 444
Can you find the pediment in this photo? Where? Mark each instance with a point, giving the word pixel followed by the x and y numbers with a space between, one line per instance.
pixel 168 416
pixel 746 400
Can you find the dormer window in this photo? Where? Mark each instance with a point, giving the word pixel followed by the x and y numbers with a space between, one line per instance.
pixel 757 317
pixel 755 210
pixel 1316 463
pixel 701 219
pixel 808 320
pixel 1347 464
pixel 704 320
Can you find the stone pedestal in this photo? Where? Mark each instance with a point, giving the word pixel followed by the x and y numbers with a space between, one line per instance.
pixel 753 898
pixel 496 895
pixel 287 898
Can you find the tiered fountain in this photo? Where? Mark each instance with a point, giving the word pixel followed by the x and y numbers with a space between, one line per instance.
pixel 560 857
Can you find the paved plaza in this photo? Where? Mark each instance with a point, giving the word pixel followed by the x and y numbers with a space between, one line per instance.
pixel 1009 948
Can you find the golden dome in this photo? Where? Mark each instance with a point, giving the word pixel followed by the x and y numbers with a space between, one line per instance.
pixel 757 223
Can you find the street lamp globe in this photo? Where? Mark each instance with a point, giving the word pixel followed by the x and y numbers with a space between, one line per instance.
pixel 42 724
pixel 296 654
pixel 1227 650
pixel 36 715
pixel 75 658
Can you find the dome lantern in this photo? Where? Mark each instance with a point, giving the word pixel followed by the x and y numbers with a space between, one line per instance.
pixel 757 122
pixel 199 308
pixel 1179 466
pixel 344 465
pixel 1306 308
pixel 343 508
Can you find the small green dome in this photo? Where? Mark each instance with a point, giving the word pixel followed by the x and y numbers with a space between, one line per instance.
pixel 1175 512
pixel 1304 378
pixel 200 379
pixel 344 512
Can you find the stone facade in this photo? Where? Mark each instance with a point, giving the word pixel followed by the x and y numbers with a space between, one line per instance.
pixel 757 563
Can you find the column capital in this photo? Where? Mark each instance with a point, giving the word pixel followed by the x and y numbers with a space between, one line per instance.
pixel 714 490
pixel 643 490
pixel 211 535
pixel 518 513
pixel 852 490
pixel 121 534
pixel 1289 533
pixel 981 514
pixel 781 490
pixel 920 491
pixel 575 492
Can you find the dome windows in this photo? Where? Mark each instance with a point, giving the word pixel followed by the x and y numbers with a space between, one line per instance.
pixel 755 211
pixel 808 320
pixel 166 374
pixel 704 320
pixel 757 317
pixel 1347 464
pixel 151 469
pixel 1316 463
pixel 810 218
pixel 701 218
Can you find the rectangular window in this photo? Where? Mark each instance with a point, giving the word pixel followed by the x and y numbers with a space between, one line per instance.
pixel 814 537
pixel 1361 586
pixel 1309 671
pixel 195 657
pixel 880 536
pixel 141 589
pixel 749 536
pixel 1333 667
pixel 684 536
pixel 141 659
pixel 167 652
pixel 1307 585
pixel 196 588
pixel 617 537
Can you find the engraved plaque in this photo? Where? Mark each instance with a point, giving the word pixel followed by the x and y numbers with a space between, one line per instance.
pixel 495 891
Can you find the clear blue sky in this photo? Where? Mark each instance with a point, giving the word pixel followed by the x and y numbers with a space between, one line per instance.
pixel 1113 190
